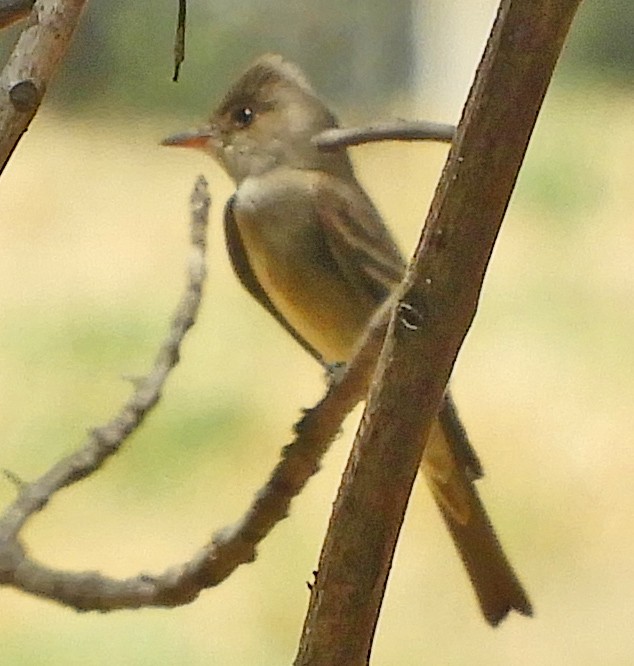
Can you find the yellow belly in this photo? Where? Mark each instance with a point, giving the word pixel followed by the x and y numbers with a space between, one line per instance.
pixel 320 306
pixel 276 215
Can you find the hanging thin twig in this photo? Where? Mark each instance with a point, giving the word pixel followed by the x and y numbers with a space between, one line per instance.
pixel 179 43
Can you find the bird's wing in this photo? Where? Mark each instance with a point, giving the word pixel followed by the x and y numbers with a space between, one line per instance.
pixel 247 277
pixel 369 259
pixel 360 244
pixel 456 434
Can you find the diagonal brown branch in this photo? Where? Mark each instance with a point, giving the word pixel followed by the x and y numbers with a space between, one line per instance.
pixel 436 306
pixel 31 66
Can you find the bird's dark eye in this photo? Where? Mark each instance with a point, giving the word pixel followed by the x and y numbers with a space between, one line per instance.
pixel 242 116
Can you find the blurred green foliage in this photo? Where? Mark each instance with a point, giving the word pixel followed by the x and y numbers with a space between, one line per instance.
pixel 602 41
pixel 122 53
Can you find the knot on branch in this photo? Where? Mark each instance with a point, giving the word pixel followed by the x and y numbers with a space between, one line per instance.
pixel 25 96
pixel 411 318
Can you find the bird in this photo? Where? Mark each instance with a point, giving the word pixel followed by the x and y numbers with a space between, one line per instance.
pixel 306 241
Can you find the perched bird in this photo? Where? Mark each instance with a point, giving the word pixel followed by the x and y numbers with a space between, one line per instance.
pixel 307 243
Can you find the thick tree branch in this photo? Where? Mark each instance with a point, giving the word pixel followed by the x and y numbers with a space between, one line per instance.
pixel 399 130
pixel 31 66
pixel 437 303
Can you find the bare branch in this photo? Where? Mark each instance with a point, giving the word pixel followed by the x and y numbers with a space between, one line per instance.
pixel 13 10
pixel 105 441
pixel 231 546
pixel 436 305
pixel 31 66
pixel 399 130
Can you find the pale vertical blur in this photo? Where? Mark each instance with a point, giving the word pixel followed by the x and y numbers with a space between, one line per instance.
pixel 93 221
pixel 446 55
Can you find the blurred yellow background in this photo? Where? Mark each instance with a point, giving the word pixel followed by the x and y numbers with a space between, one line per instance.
pixel 93 245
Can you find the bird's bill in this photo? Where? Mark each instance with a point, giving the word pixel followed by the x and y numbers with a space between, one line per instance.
pixel 196 139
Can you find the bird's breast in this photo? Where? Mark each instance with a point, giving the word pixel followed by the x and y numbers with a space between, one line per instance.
pixel 288 254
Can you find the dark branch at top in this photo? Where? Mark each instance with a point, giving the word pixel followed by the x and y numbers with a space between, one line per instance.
pixel 179 41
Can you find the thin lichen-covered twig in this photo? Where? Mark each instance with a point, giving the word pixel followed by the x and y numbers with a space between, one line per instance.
pixel 231 546
pixel 105 440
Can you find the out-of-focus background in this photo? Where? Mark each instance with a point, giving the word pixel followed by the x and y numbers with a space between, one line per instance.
pixel 93 226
